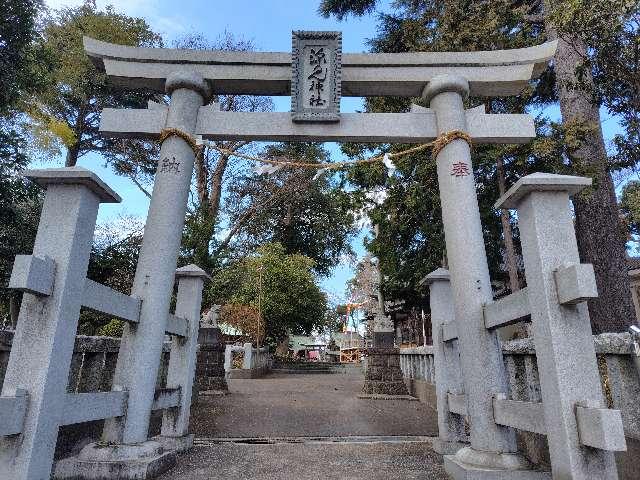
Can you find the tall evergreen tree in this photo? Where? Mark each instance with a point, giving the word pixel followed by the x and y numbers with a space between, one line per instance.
pixel 584 79
pixel 65 117
pixel 305 211
pixel 25 65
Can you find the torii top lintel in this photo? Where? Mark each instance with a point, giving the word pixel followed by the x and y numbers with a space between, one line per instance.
pixel 489 73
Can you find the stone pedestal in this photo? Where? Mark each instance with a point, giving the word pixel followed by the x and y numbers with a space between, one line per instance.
pixel 102 461
pixel 383 375
pixel 210 367
pixel 470 464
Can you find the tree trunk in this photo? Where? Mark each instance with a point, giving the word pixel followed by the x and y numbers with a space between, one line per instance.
pixel 73 152
pixel 510 253
pixel 216 186
pixel 601 241
pixel 72 155
pixel 202 179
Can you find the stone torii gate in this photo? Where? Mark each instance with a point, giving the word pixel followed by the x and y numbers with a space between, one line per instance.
pixel 321 74
pixel 316 74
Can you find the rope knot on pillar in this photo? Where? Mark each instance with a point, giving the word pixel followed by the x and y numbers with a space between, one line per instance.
pixel 176 132
pixel 446 138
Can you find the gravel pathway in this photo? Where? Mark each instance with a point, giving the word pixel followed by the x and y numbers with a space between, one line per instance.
pixel 339 461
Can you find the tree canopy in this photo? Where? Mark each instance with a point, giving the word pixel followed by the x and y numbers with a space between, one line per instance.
pixel 306 211
pixel 25 66
pixel 65 116
pixel 281 286
pixel 586 76
pixel 24 61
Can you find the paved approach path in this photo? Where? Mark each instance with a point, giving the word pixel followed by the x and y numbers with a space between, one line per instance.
pixel 313 405
pixel 255 433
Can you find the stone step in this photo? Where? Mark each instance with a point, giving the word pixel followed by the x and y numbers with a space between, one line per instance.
pixel 305 366
pixel 209 441
pixel 290 371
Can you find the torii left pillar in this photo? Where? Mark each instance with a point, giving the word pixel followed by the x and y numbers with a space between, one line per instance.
pixel 141 346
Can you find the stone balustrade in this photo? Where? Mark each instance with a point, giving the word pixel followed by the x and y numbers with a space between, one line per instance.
pixel 619 376
pixel 53 381
pixel 418 369
pixel 92 366
pixel 255 362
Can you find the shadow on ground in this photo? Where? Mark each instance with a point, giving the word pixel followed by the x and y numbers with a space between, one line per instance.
pixel 288 406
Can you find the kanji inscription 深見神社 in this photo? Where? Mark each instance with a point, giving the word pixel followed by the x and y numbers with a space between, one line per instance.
pixel 317 77
pixel 315 82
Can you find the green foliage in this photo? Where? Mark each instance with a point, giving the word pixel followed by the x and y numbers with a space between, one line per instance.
pixel 306 213
pixel 24 69
pixel 24 61
pixel 291 301
pixel 66 114
pixel 205 215
pixel 611 31
pixel 113 261
pixel 342 8
pixel 333 321
pixel 630 205
pixel 112 329
pixel 20 205
pixel 410 243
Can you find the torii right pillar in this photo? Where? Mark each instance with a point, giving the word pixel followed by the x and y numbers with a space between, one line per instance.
pixel 493 450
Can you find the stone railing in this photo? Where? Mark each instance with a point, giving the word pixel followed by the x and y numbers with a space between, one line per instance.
pixel 92 367
pixel 619 367
pixel 418 369
pixel 619 377
pixel 255 362
pixel 51 381
pixel 495 409
pixel 417 363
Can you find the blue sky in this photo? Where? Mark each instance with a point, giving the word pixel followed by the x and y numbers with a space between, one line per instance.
pixel 268 23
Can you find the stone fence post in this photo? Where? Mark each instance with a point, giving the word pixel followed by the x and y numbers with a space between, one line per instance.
pixel 247 360
pixel 52 277
pixel 182 360
pixel 228 359
pixel 448 377
pixel 210 375
pixel 582 433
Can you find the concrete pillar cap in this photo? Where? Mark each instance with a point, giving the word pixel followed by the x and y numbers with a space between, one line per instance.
pixel 539 182
pixel 446 83
pixel 439 275
pixel 189 79
pixel 74 176
pixel 192 271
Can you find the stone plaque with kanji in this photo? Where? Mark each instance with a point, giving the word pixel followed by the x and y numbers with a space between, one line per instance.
pixel 316 76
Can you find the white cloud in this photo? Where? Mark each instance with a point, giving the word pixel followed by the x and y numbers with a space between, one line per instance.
pixel 146 9
pixel 130 7
pixel 167 26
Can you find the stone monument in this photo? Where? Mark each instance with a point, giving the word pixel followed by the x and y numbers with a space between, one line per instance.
pixel 210 367
pixel 383 376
